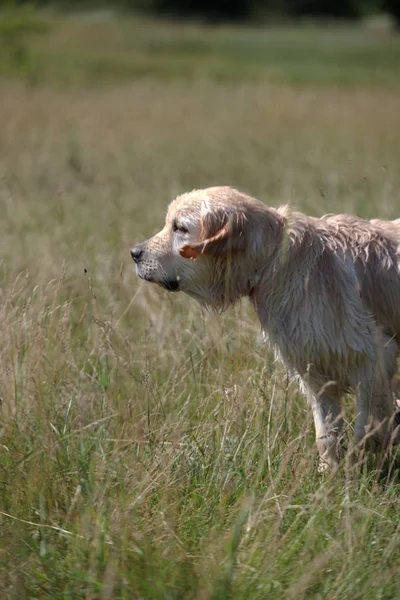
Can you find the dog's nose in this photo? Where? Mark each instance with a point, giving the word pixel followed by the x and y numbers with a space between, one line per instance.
pixel 136 252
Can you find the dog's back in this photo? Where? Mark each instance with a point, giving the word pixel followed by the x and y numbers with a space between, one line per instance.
pixel 389 227
pixel 375 248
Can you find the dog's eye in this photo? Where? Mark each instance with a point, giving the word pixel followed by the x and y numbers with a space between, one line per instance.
pixel 180 228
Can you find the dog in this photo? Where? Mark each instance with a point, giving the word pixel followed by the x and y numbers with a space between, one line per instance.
pixel 326 291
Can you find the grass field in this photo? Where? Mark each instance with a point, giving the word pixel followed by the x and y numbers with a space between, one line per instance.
pixel 103 48
pixel 148 449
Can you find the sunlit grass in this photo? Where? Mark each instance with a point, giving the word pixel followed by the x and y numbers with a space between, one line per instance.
pixel 148 449
pixel 107 47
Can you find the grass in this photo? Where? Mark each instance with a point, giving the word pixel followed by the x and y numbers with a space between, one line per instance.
pixel 102 48
pixel 148 449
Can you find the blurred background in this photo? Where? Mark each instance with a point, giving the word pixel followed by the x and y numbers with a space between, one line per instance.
pixel 273 40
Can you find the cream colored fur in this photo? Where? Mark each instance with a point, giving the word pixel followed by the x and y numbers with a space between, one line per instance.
pixel 326 291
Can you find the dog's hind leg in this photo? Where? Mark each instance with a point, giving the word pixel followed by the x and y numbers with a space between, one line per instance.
pixel 391 362
pixel 375 407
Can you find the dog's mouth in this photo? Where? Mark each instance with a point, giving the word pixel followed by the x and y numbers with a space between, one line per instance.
pixel 172 285
pixel 144 276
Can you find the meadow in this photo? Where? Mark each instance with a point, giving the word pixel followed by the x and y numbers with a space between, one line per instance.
pixel 149 449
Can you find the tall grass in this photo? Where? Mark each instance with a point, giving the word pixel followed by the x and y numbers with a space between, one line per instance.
pixel 148 449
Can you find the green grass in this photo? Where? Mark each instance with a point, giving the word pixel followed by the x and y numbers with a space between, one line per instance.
pixel 148 449
pixel 106 48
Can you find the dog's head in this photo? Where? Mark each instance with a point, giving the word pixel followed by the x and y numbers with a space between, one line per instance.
pixel 212 247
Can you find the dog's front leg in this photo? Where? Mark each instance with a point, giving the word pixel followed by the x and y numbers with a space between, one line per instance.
pixel 328 423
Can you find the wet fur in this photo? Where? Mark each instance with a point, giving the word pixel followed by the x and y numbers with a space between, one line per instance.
pixel 326 291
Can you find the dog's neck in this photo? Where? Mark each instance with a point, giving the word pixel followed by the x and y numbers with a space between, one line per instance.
pixel 269 295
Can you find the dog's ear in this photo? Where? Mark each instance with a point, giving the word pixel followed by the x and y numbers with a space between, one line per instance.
pixel 222 232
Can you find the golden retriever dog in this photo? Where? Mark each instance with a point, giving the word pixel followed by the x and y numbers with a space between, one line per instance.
pixel 326 291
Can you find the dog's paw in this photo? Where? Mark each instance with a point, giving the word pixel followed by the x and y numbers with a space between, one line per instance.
pixel 326 466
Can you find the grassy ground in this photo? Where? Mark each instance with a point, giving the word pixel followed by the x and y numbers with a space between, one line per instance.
pixel 149 450
pixel 99 48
